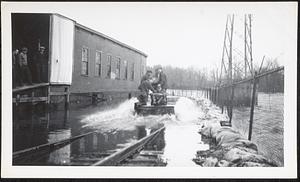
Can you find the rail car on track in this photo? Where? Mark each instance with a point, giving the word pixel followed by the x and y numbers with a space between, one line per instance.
pixel 153 108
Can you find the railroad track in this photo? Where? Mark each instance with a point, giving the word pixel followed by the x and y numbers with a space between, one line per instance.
pixel 133 155
pixel 38 151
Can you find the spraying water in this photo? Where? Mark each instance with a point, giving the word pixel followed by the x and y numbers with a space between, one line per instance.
pixel 181 134
pixel 123 116
pixel 186 110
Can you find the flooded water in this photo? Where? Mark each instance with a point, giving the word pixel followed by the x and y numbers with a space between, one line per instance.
pixel 117 126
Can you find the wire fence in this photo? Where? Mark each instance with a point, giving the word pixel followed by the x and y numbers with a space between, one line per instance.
pixel 255 107
pixel 186 93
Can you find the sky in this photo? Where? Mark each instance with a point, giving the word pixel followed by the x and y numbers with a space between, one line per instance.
pixel 185 34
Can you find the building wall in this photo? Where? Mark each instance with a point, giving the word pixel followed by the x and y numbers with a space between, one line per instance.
pixel 91 82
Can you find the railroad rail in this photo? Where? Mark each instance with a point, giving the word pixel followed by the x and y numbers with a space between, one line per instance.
pixel 119 156
pixel 110 159
pixel 48 146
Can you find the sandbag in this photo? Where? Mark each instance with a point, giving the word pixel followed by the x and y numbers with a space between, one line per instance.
pixel 229 149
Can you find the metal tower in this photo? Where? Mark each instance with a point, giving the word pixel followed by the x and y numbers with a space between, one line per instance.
pixel 248 46
pixel 226 64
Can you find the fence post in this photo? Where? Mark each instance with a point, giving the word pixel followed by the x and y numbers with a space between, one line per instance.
pixel 211 94
pixel 217 96
pixel 215 92
pixel 252 106
pixel 231 103
pixel 214 95
pixel 206 92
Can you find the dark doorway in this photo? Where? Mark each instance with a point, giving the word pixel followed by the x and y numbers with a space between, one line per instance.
pixel 31 30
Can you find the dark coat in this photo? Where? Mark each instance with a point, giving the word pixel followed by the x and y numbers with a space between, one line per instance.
pixel 163 81
pixel 145 86
pixel 144 78
pixel 40 58
pixel 22 59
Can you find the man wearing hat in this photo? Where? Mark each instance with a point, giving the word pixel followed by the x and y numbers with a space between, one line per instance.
pixel 15 68
pixel 41 65
pixel 24 69
pixel 144 87
pixel 161 78
pixel 160 85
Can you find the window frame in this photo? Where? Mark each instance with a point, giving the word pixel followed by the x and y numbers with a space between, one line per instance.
pixel 100 64
pixel 109 65
pixel 86 62
pixel 125 70
pixel 132 71
pixel 142 70
pixel 118 63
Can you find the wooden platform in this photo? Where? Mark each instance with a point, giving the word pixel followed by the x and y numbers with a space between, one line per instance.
pixel 26 87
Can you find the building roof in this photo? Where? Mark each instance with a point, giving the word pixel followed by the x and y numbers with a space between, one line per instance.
pixel 111 39
pixel 104 36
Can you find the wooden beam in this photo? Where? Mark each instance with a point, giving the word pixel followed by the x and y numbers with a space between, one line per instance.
pixel 30 99
pixel 58 93
pixel 18 89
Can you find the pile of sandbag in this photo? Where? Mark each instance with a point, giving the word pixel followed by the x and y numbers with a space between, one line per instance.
pixel 229 148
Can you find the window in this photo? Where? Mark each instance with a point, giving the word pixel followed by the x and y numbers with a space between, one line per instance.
pixel 132 71
pixel 108 74
pixel 142 70
pixel 118 69
pixel 84 61
pixel 126 70
pixel 98 63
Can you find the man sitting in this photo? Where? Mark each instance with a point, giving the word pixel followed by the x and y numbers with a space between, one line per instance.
pixel 160 97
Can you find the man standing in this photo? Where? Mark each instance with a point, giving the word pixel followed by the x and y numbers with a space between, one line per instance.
pixel 41 65
pixel 15 68
pixel 144 87
pixel 147 76
pixel 161 78
pixel 24 69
